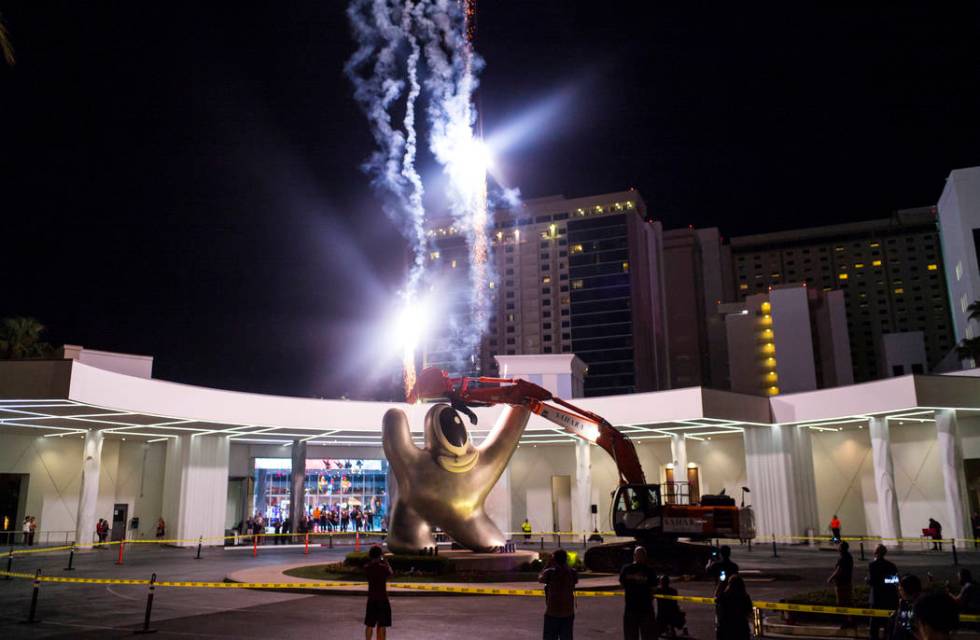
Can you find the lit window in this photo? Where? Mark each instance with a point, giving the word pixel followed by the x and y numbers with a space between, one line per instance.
pixel 577 284
pixel 564 300
pixel 838 248
pixel 874 245
pixel 626 267
pixel 859 265
pixel 932 267
pixel 453 264
pixel 434 255
pixel 492 285
pixel 577 248
pixel 876 263
pixel 842 276
pixel 546 280
pixel 743 287
pixel 899 290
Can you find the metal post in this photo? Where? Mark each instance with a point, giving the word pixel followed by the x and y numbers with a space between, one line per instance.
pixel 956 560
pixel 149 607
pixel 306 545
pixel 10 563
pixel 862 548
pixel 71 558
pixel 330 539
pixel 255 545
pixel 774 554
pixel 542 543
pixel 122 544
pixel 32 616
pixel 200 539
pixel 585 544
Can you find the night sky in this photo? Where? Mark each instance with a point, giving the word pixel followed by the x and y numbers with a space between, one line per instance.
pixel 182 179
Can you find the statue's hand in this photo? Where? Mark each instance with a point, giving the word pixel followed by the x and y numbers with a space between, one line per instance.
pixel 396 438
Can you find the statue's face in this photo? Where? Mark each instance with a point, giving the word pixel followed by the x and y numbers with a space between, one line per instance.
pixel 448 440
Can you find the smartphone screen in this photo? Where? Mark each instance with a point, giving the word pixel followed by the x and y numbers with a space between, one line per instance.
pixel 722 576
pixel 891 579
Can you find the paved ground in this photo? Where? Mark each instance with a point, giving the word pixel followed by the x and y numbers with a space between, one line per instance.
pixel 111 611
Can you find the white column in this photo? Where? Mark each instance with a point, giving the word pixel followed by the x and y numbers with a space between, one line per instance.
pixel 582 491
pixel 889 519
pixel 678 455
pixel 196 488
pixel 779 463
pixel 954 480
pixel 88 495
pixel 499 505
pixel 297 483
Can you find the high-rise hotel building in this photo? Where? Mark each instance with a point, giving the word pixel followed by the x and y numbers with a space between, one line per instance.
pixel 573 275
pixel 890 270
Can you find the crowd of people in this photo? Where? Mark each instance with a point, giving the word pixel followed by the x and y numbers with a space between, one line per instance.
pixel 316 520
pixel 917 607
pixel 919 613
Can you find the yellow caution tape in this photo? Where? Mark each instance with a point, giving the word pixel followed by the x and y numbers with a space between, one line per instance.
pixel 771 606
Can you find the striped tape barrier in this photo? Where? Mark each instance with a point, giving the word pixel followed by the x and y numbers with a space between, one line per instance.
pixel 381 534
pixel 701 600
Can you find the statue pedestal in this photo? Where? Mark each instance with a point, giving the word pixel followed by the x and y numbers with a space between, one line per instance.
pixel 465 561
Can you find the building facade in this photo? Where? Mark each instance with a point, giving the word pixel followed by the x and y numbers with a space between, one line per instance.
pixel 698 277
pixel 791 339
pixel 582 275
pixel 78 443
pixel 959 224
pixel 890 270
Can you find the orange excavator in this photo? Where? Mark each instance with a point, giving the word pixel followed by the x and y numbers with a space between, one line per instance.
pixel 654 515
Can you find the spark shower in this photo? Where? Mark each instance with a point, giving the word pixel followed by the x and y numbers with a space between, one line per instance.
pixel 422 50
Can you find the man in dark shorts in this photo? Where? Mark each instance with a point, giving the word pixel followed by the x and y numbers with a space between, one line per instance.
pixel 638 582
pixel 559 594
pixel 843 580
pixel 378 613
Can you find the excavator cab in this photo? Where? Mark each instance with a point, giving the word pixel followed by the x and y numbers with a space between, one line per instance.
pixel 637 507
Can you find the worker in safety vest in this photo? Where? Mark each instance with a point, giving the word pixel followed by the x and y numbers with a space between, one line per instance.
pixel 835 529
pixel 526 528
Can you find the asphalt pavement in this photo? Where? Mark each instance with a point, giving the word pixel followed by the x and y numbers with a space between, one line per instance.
pixel 115 611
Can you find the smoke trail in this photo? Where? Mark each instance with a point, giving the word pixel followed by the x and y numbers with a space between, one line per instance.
pixel 393 38
pixel 383 29
pixel 452 81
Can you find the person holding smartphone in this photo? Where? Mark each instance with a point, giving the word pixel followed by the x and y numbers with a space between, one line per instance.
pixel 903 620
pixel 720 567
pixel 883 583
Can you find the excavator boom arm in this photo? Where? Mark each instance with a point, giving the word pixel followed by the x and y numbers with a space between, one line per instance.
pixel 433 383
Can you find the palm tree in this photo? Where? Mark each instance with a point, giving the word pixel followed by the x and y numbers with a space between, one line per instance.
pixel 20 338
pixel 974 311
pixel 969 349
pixel 6 47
